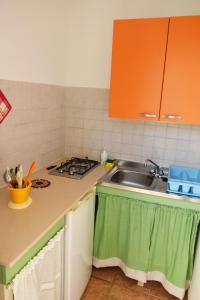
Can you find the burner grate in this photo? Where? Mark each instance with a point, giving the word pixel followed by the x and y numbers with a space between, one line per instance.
pixel 74 168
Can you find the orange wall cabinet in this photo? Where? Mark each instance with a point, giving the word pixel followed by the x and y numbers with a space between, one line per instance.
pixel 156 69
pixel 138 57
pixel 181 88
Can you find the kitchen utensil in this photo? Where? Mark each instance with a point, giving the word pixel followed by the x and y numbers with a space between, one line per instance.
pixel 21 174
pixel 51 167
pixel 7 176
pixel 20 168
pixel 12 173
pixel 19 178
pixel 16 169
pixel 31 169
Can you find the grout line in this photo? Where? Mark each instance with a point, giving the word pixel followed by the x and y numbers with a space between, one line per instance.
pixel 101 279
pixel 146 291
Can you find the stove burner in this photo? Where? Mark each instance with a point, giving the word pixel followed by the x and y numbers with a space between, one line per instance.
pixel 74 168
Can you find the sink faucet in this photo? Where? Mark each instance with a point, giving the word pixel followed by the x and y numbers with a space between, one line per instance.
pixel 157 171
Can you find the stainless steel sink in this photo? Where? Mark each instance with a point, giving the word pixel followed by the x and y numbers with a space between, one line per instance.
pixel 132 178
pixel 138 177
pixel 126 164
pixel 133 174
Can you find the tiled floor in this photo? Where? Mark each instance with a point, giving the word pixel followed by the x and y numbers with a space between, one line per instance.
pixel 112 284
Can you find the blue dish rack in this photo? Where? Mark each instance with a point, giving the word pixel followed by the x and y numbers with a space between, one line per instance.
pixel 184 181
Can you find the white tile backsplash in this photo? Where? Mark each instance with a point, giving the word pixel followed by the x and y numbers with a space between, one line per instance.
pixel 34 130
pixel 47 122
pixel 166 143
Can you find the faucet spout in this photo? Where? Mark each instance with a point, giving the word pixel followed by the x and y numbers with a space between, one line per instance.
pixel 156 170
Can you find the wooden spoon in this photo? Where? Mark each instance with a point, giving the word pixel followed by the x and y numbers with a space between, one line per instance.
pixel 19 178
pixel 32 168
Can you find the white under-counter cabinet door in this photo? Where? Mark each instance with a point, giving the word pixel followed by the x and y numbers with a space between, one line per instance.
pixel 79 246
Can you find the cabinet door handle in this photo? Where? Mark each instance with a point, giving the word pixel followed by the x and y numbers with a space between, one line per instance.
pixel 145 115
pixel 172 117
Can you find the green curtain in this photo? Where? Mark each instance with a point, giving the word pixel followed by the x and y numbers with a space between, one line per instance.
pixel 173 242
pixel 147 236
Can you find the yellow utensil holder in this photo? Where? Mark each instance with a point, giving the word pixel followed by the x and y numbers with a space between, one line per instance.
pixel 20 195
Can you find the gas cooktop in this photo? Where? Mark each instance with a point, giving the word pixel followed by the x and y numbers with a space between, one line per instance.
pixel 74 168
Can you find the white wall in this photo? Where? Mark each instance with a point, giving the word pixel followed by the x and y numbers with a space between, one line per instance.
pixel 89 33
pixel 68 42
pixel 32 40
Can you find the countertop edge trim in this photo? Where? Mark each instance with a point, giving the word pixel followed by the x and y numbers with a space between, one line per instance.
pixel 8 272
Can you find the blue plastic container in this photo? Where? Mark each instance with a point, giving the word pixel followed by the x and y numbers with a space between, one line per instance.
pixel 184 180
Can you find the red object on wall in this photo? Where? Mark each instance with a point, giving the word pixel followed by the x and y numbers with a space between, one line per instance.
pixel 5 106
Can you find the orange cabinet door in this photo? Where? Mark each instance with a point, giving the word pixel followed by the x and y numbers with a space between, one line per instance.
pixel 181 88
pixel 138 57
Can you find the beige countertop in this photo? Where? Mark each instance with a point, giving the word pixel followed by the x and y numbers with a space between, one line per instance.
pixel 21 229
